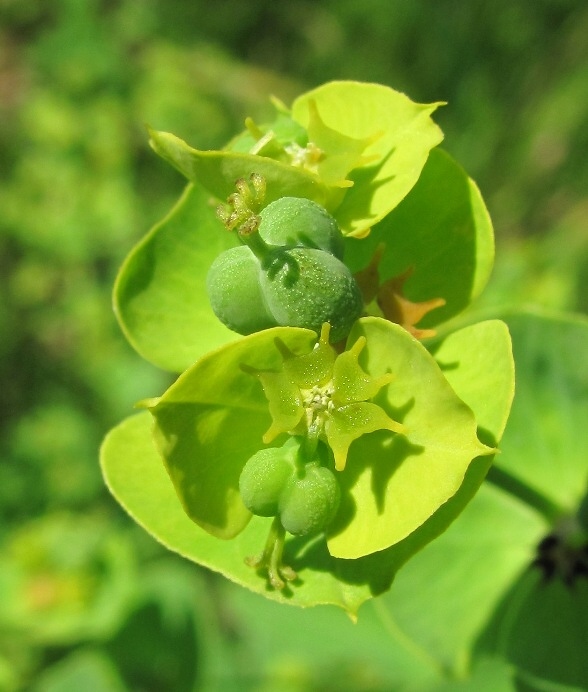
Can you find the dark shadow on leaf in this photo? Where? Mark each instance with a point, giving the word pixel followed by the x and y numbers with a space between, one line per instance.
pixel 541 628
pixel 138 275
pixel 357 201
pixel 377 571
pixel 398 413
pixel 447 367
pixel 398 448
pixel 205 493
pixel 388 448
pixel 486 437
pixel 442 204
pixel 347 510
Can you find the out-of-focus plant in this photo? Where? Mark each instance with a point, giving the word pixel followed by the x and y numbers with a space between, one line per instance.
pixel 209 424
pixel 77 186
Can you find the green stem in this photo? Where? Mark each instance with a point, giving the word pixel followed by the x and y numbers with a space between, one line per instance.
pixel 271 558
pixel 549 509
pixel 276 570
pixel 309 447
pixel 256 244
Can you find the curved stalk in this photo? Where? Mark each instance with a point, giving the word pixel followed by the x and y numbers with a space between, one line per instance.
pixel 271 557
pixel 550 510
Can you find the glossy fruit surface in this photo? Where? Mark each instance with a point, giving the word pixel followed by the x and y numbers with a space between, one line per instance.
pixel 299 222
pixel 234 291
pixel 309 501
pixel 304 287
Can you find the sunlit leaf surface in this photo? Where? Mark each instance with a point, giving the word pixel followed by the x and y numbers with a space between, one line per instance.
pixel 442 231
pixel 403 134
pixel 136 475
pixel 160 295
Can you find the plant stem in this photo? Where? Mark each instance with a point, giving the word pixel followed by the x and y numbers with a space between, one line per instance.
pixel 256 244
pixel 271 558
pixel 549 509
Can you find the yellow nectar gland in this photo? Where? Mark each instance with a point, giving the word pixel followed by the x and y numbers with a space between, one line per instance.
pixel 318 403
pixel 337 408
pixel 305 157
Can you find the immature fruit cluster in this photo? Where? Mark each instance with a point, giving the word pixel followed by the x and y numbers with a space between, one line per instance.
pixel 289 272
pixel 304 495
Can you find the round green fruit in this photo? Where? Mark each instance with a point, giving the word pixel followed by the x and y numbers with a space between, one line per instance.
pixel 264 477
pixel 300 222
pixel 234 291
pixel 309 501
pixel 304 287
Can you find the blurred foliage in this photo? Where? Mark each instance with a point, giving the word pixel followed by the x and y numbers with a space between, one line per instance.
pixel 85 597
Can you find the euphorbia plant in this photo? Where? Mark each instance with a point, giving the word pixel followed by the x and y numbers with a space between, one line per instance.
pixel 321 431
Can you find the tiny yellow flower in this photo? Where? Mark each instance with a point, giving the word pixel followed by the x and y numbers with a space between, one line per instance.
pixel 324 395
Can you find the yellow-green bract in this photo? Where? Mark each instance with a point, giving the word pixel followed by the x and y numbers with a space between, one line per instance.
pixel 208 425
pixel 407 453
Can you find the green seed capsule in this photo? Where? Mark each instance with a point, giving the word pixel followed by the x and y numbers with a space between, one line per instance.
pixel 309 502
pixel 265 476
pixel 235 293
pixel 304 287
pixel 299 222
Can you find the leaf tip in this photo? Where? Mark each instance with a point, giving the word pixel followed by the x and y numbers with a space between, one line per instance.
pixel 352 615
pixel 148 403
pixel 485 451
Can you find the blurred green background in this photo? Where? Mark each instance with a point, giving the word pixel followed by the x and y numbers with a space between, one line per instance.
pixel 88 600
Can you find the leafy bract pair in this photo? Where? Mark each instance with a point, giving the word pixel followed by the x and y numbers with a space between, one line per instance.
pixel 370 144
pixel 397 497
pixel 406 435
